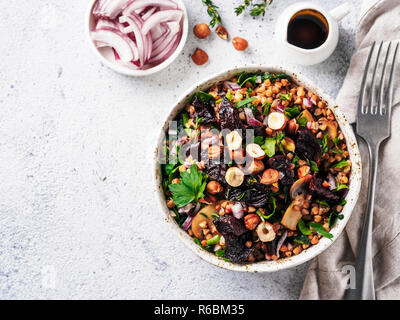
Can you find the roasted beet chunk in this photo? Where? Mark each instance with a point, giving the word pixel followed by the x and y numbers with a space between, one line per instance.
pixel 318 190
pixel 229 224
pixel 283 165
pixel 229 116
pixel 251 192
pixel 307 146
pixel 204 110
pixel 236 235
pixel 236 250
pixel 216 171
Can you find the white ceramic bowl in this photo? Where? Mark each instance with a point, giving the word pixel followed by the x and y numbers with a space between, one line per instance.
pixel 107 57
pixel 313 251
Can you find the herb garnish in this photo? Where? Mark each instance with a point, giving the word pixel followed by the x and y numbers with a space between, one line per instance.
pixel 213 13
pixel 320 229
pixel 341 164
pixel 256 10
pixel 190 188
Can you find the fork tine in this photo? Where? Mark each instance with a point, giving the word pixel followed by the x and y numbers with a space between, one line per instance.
pixel 372 90
pixel 382 85
pixel 389 96
pixel 364 81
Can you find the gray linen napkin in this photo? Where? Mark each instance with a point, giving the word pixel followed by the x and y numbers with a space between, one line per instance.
pixel 327 276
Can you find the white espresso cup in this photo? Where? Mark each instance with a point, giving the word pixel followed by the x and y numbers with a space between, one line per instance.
pixel 329 19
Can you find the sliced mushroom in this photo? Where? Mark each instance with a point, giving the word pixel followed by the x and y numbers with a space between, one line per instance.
pixel 265 232
pixel 288 144
pixel 255 166
pixel 255 151
pixel 234 176
pixel 329 126
pixel 306 114
pixel 233 140
pixel 291 218
pixel 300 186
pixel 203 215
pixel 276 121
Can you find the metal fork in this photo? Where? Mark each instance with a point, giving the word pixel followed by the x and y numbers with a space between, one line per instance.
pixel 373 125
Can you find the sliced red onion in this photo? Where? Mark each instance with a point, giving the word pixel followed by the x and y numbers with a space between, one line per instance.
pixel 121 43
pixel 109 8
pixel 161 39
pixel 280 242
pixel 332 182
pixel 232 85
pixel 167 52
pixel 186 209
pixel 174 29
pixel 307 102
pixel 280 108
pixel 265 122
pixel 135 28
pixel 258 79
pixel 188 222
pixel 105 23
pixel 149 13
pixel 161 16
pixel 251 120
pixel 237 210
pixel 132 29
pixel 139 4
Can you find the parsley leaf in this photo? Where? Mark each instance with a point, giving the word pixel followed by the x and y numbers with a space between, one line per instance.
pixel 303 228
pixel 302 122
pixel 292 112
pixel 190 188
pixel 244 102
pixel 320 229
pixel 269 146
pixel 284 97
pixel 341 164
pixel 259 140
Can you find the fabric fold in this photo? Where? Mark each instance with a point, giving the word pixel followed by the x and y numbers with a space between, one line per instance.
pixel 326 278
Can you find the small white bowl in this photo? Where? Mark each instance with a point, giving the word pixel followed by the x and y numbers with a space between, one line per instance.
pixel 107 57
pixel 351 198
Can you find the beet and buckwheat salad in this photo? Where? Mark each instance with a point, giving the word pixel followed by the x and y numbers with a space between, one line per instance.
pixel 255 168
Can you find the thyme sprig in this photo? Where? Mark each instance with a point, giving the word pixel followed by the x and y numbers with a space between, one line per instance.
pixel 256 9
pixel 213 13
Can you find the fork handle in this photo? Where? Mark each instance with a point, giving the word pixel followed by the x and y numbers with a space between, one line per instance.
pixel 365 288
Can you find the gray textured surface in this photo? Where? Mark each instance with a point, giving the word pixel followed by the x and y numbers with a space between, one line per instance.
pixel 77 214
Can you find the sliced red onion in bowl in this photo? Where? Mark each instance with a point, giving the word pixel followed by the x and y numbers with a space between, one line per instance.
pixel 114 38
pixel 109 8
pixel 139 4
pixel 161 16
pixel 140 40
pixel 152 30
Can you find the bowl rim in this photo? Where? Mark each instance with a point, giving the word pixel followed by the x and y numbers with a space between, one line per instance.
pixel 138 73
pixel 351 198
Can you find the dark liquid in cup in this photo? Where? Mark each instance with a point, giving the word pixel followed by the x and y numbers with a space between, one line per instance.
pixel 307 29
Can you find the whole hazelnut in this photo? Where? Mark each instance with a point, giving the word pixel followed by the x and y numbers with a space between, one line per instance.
pixel 251 221
pixel 200 57
pixel 214 187
pixel 240 43
pixel 201 30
